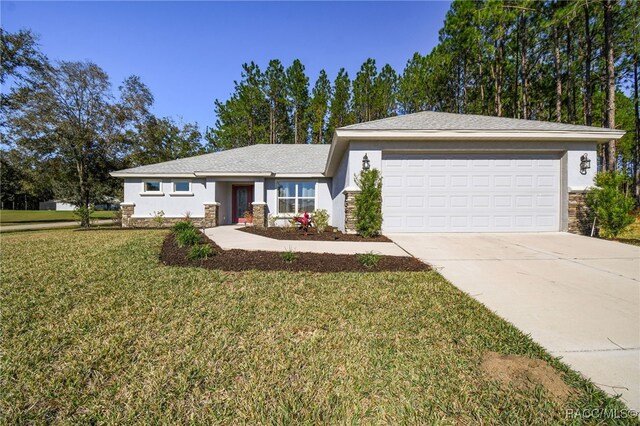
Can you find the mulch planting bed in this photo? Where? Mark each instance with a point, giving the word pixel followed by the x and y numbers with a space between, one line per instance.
pixel 244 260
pixel 280 233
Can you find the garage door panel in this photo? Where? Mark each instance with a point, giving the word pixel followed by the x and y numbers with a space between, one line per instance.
pixel 471 193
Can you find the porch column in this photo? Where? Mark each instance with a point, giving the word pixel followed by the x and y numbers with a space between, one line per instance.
pixel 127 212
pixel 259 205
pixel 579 222
pixel 211 208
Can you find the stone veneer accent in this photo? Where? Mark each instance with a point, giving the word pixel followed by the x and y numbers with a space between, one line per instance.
pixel 350 210
pixel 128 221
pixel 579 222
pixel 211 214
pixel 259 214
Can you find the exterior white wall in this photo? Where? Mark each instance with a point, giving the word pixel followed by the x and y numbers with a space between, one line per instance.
pixel 338 185
pixel 575 180
pixel 171 205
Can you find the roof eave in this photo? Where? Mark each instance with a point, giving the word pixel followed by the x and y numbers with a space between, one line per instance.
pixel 344 135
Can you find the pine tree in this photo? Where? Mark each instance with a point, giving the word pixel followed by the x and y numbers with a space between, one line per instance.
pixel 298 95
pixel 364 95
pixel 385 93
pixel 318 108
pixel 275 90
pixel 340 110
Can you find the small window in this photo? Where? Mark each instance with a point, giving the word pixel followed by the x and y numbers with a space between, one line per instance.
pixel 296 197
pixel 152 186
pixel 182 187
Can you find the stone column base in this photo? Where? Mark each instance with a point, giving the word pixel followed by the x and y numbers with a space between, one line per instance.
pixel 210 215
pixel 579 221
pixel 127 211
pixel 259 214
pixel 350 219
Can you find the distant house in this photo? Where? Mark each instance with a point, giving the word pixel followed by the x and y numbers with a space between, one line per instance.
pixel 56 205
pixel 441 172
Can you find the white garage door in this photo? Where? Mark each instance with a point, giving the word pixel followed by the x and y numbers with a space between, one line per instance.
pixel 470 193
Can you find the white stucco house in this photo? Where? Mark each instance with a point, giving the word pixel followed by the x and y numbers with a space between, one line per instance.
pixel 441 172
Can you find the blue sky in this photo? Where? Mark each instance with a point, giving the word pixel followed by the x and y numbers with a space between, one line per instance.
pixel 189 53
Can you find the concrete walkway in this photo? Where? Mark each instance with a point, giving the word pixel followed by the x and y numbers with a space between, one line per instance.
pixel 577 296
pixel 50 225
pixel 228 237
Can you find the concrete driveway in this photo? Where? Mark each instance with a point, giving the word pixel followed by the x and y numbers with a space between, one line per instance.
pixel 577 296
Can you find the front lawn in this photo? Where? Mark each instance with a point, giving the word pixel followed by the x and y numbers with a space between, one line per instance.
pixel 631 235
pixel 95 330
pixel 22 217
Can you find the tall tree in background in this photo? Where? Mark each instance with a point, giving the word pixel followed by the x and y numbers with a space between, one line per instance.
pixel 298 94
pixel 414 85
pixel 321 94
pixel 610 159
pixel 161 139
pixel 275 89
pixel 364 92
pixel 340 108
pixel 385 93
pixel 67 113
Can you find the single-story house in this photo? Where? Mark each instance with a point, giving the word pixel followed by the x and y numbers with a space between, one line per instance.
pixel 440 172
pixel 56 205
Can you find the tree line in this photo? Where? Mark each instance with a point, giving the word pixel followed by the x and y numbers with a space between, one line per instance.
pixel 567 61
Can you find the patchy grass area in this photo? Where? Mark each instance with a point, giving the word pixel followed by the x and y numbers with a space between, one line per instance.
pixel 95 330
pixel 22 217
pixel 631 235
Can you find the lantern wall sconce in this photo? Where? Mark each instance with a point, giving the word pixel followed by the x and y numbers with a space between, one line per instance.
pixel 366 164
pixel 585 164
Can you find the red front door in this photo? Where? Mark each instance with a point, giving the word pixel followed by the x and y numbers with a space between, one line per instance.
pixel 241 199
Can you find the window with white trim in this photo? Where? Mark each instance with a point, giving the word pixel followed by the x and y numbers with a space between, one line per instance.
pixel 182 186
pixel 296 197
pixel 152 186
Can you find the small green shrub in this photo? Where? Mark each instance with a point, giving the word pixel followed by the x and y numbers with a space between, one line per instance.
pixel 84 214
pixel 321 219
pixel 369 203
pixel 609 203
pixel 289 256
pixel 369 259
pixel 200 251
pixel 182 226
pixel 188 237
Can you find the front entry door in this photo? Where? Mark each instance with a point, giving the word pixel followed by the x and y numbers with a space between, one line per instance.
pixel 242 198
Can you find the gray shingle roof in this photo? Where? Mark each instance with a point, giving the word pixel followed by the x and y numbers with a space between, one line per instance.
pixel 429 120
pixel 279 159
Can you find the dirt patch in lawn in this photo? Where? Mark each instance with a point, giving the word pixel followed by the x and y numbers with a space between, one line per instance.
pixel 243 260
pixel 525 374
pixel 330 234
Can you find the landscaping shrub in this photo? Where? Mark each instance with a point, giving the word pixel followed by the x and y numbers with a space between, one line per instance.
pixel 188 237
pixel 369 259
pixel 369 203
pixel 610 204
pixel 321 219
pixel 158 218
pixel 182 226
pixel 200 251
pixel 289 256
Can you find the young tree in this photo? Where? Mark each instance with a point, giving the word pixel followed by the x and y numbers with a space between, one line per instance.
pixel 67 113
pixel 298 94
pixel 319 106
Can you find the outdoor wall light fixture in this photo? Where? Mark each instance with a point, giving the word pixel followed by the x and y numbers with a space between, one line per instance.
pixel 585 164
pixel 366 164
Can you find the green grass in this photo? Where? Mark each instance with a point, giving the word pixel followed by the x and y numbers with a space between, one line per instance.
pixel 23 217
pixel 95 330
